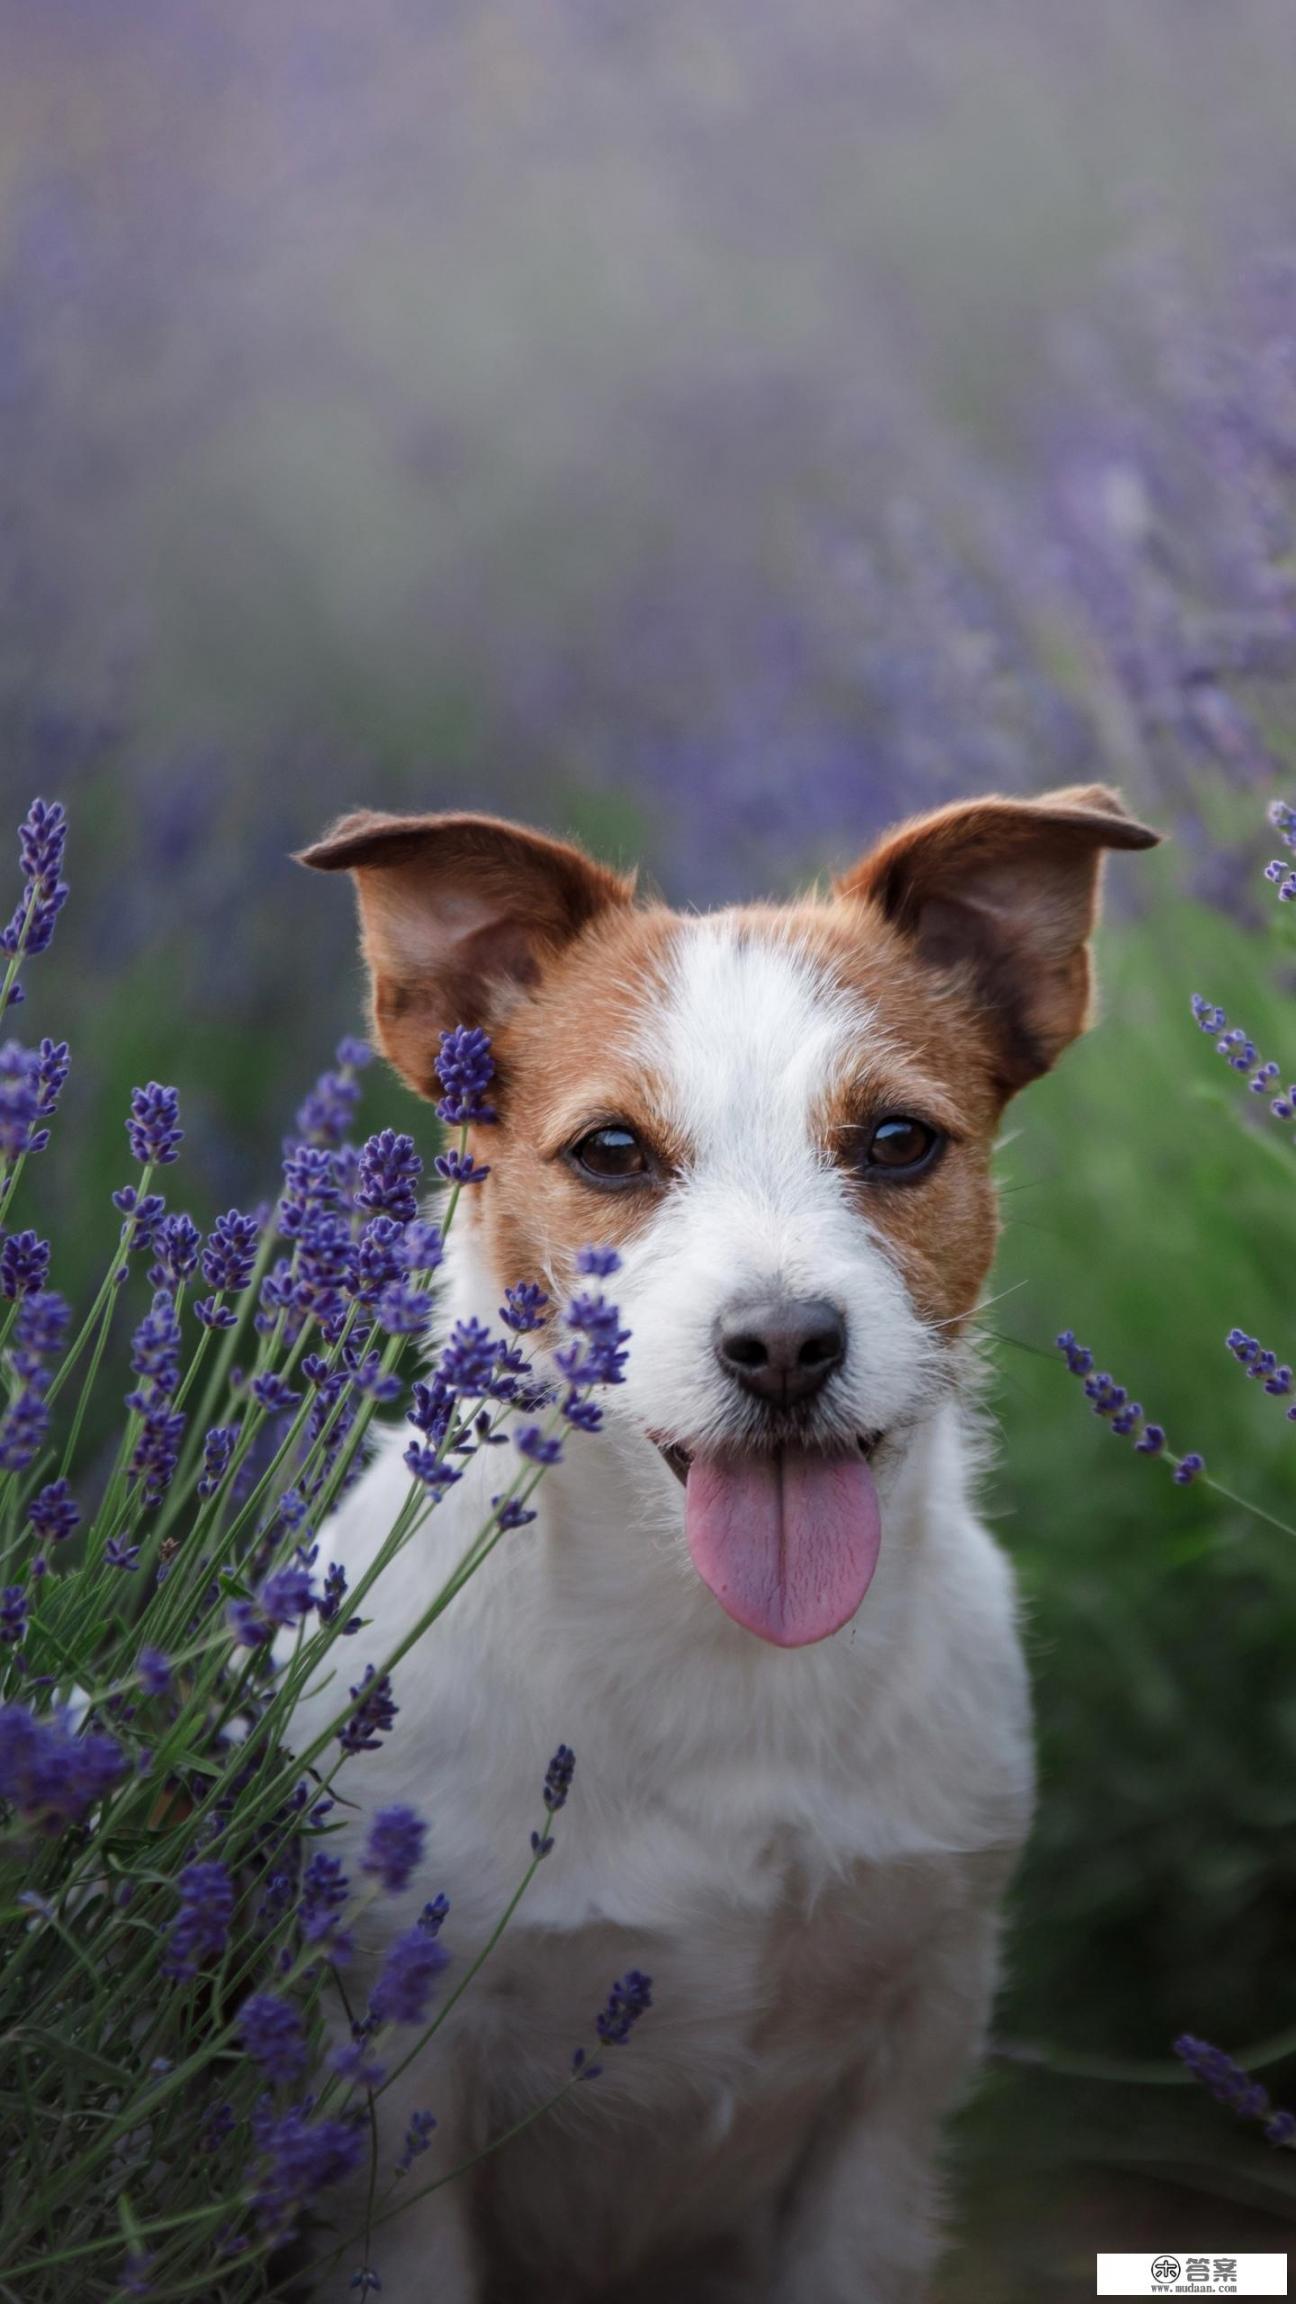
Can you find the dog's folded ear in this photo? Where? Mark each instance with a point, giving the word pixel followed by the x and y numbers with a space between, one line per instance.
pixel 457 914
pixel 1001 896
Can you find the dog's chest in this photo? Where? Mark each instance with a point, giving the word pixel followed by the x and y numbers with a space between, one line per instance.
pixel 760 2014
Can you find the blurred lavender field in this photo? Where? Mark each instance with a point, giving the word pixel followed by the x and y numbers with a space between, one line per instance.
pixel 714 430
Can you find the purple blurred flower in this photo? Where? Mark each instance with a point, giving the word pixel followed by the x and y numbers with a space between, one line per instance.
pixel 199 1932
pixel 404 1987
pixel 394 1847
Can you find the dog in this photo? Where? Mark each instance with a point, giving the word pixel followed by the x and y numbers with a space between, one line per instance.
pixel 758 1602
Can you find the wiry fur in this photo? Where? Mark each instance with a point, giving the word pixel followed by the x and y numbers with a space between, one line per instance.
pixel 805 1848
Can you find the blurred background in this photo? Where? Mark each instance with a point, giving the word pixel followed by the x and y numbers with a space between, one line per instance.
pixel 714 430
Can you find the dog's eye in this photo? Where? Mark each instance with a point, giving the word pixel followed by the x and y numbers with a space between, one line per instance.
pixel 610 1155
pixel 901 1146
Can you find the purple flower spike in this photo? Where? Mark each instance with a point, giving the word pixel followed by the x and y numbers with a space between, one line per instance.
pixel 153 1671
pixel 273 2036
pixel 390 1169
pixel 154 1127
pixel 50 1775
pixel 230 1252
pixel 465 1068
pixel 628 2000
pixel 538 1446
pixel 374 1716
pixel 457 1167
pixel 524 1307
pixel 418 2136
pixel 1231 2085
pixel 201 1927
pixel 404 1986
pixel 24 1263
pixel 53 1512
pixel 298 2158
pixel 20 1102
pixel 13 1615
pixel 394 1848
pixel 1110 1399
pixel 41 839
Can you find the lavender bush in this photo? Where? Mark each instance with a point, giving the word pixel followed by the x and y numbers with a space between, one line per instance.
pixel 1266 1107
pixel 174 1924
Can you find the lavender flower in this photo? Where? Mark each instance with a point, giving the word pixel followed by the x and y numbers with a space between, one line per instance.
pixel 20 1101
pixel 356 2063
pixel 144 1212
pixel 558 1778
pixel 229 1251
pixel 1111 1401
pixel 48 1773
pixel 119 1554
pixel 381 1257
pixel 557 1785
pixel 153 1671
pixel 51 1075
pixel 402 1310
pixel 218 1447
pixel 465 1068
pixel 390 1169
pixel 404 1987
pixel 374 1716
pixel 600 1263
pixel 327 1112
pixel 273 2036
pixel 324 1892
pixel 297 2158
pixel 596 1354
pixel 628 2000
pixel 40 1329
pixel 200 1929
pixel 154 1127
pixel 41 839
pixel 13 1615
pixel 24 1263
pixel 468 1358
pixel 287 1596
pixel 53 1512
pixel 394 1847
pixel 1264 1366
pixel 1233 2087
pixel 176 1245
pixel 455 1167
pixel 424 1246
pixel 418 2136
pixel 524 1307
pixel 537 1445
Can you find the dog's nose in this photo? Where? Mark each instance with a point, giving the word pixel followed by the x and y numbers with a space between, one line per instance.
pixel 782 1349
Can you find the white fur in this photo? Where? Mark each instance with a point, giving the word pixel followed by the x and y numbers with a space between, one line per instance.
pixel 804 1848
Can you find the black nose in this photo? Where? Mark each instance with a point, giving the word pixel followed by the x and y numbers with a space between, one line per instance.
pixel 782 1349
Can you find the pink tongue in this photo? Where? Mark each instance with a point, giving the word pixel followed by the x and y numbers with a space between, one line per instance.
pixel 787 1542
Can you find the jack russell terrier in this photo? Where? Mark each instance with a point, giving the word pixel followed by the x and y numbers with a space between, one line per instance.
pixel 758 1603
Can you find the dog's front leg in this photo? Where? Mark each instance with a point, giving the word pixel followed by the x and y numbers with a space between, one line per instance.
pixel 862 2222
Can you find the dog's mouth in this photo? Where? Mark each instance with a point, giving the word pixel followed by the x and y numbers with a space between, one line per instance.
pixel 786 1538
pixel 679 1458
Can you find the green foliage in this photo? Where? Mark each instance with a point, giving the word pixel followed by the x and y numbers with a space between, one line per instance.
pixel 1146 1206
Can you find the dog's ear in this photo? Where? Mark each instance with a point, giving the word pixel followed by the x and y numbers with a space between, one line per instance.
pixel 456 916
pixel 1001 896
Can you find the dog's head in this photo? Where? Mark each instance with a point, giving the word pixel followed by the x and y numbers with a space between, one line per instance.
pixel 782 1116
